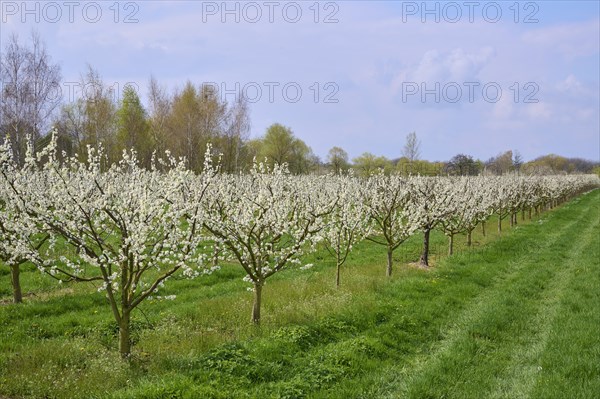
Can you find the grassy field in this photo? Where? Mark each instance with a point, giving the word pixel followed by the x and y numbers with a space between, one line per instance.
pixel 516 316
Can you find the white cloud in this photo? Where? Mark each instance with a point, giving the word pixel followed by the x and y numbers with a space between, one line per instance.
pixel 456 65
pixel 538 110
pixel 570 84
pixel 503 109
pixel 569 40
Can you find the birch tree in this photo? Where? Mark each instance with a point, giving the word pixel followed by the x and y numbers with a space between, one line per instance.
pixel 30 92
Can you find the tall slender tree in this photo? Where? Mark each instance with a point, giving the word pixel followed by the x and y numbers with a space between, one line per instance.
pixel 412 150
pixel 337 159
pixel 133 129
pixel 30 92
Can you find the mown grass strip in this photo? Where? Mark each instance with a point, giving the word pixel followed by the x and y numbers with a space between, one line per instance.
pixel 499 321
pixel 456 365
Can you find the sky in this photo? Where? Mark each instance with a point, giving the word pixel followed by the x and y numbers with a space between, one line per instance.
pixel 470 77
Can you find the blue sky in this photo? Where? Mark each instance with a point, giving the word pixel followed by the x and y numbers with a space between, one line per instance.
pixel 468 77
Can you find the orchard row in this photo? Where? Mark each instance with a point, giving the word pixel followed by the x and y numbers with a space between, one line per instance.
pixel 132 228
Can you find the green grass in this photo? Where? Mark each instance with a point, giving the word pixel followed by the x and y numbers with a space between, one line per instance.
pixel 515 316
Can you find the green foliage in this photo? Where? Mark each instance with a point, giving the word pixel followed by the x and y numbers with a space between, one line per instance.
pixel 462 165
pixel 231 359
pixel 337 159
pixel 133 128
pixel 556 164
pixel 500 164
pixel 279 146
pixel 420 167
pixel 296 335
pixel 368 164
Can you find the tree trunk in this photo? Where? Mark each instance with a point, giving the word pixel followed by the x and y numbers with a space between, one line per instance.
pixel 15 273
pixel 530 213
pixel 124 338
pixel 256 305
pixel 425 255
pixel 523 215
pixel 512 220
pixel 337 272
pixel 499 224
pixel 450 244
pixel 469 242
pixel 390 261
pixel 483 228
pixel 215 256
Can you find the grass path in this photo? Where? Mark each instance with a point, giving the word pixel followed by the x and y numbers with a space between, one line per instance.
pixel 496 346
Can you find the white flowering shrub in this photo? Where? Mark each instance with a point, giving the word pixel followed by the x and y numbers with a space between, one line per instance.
pixel 127 227
pixel 267 220
pixel 389 201
pixel 472 204
pixel 349 220
pixel 20 236
pixel 433 202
